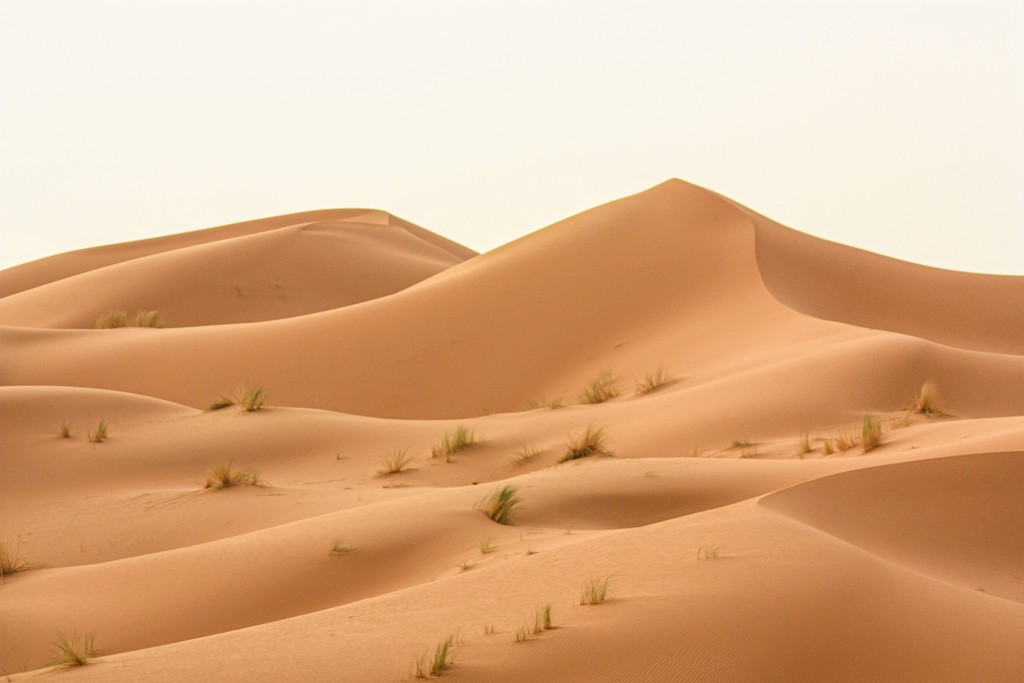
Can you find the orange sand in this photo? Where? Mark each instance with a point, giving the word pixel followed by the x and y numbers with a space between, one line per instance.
pixel 371 334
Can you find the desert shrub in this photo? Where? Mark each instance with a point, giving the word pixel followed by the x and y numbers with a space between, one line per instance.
pixel 500 506
pixel 74 649
pixel 600 389
pixel 98 433
pixel 870 433
pixel 594 591
pixel 226 474
pixel 590 442
pixel 653 380
pixel 394 461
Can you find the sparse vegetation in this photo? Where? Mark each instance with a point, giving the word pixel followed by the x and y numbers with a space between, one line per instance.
pixel 845 439
pixel 524 453
pixel 339 548
pixel 600 389
pixel 11 561
pixel 594 591
pixel 827 446
pixel 441 661
pixel 74 649
pixel 740 443
pixel 707 552
pixel 486 546
pixel 65 430
pixel 927 401
pixel 226 474
pixel 121 319
pixel 551 403
pixel 251 397
pixel 501 506
pixel 395 461
pixel 98 434
pixel 453 442
pixel 540 622
pixel 590 442
pixel 805 444
pixel 149 319
pixel 870 434
pixel 652 381
pixel 221 402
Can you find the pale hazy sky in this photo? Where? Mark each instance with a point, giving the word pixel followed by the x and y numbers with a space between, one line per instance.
pixel 895 126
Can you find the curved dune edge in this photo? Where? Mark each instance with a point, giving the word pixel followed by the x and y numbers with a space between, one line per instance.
pixel 732 554
pixel 957 518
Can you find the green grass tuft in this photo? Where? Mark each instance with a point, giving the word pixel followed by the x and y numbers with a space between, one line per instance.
pixel 11 561
pixel 501 506
pixel 453 442
pixel 441 662
pixel 251 397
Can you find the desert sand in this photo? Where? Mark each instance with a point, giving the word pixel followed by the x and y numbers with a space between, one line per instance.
pixel 743 526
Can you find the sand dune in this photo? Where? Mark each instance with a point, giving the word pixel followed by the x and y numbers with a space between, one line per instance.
pixel 742 538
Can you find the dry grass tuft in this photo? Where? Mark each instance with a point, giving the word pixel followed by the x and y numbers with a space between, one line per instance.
pixel 525 453
pixel 453 442
pixel 441 661
pixel 707 552
pixel 590 442
pixel 487 545
pixel 11 561
pixel 828 446
pixel 115 319
pixel 600 389
pixel 149 319
pixel 927 401
pixel 98 433
pixel 65 430
pixel 540 622
pixel 652 381
pixel 339 548
pixel 594 591
pixel 395 461
pixel 870 433
pixel 551 403
pixel 251 397
pixel 221 402
pixel 805 444
pixel 111 320
pixel 501 506
pixel 845 439
pixel 225 474
pixel 74 649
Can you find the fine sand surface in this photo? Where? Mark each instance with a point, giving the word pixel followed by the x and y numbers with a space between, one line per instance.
pixel 733 552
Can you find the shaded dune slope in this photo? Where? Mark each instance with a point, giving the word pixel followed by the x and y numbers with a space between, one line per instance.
pixel 675 272
pixel 264 274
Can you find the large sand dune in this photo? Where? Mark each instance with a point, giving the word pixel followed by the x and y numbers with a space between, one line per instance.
pixel 734 552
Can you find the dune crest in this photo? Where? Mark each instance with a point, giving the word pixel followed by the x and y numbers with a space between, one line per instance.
pixel 786 459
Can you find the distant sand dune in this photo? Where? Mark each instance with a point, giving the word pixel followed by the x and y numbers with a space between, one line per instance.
pixel 739 540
